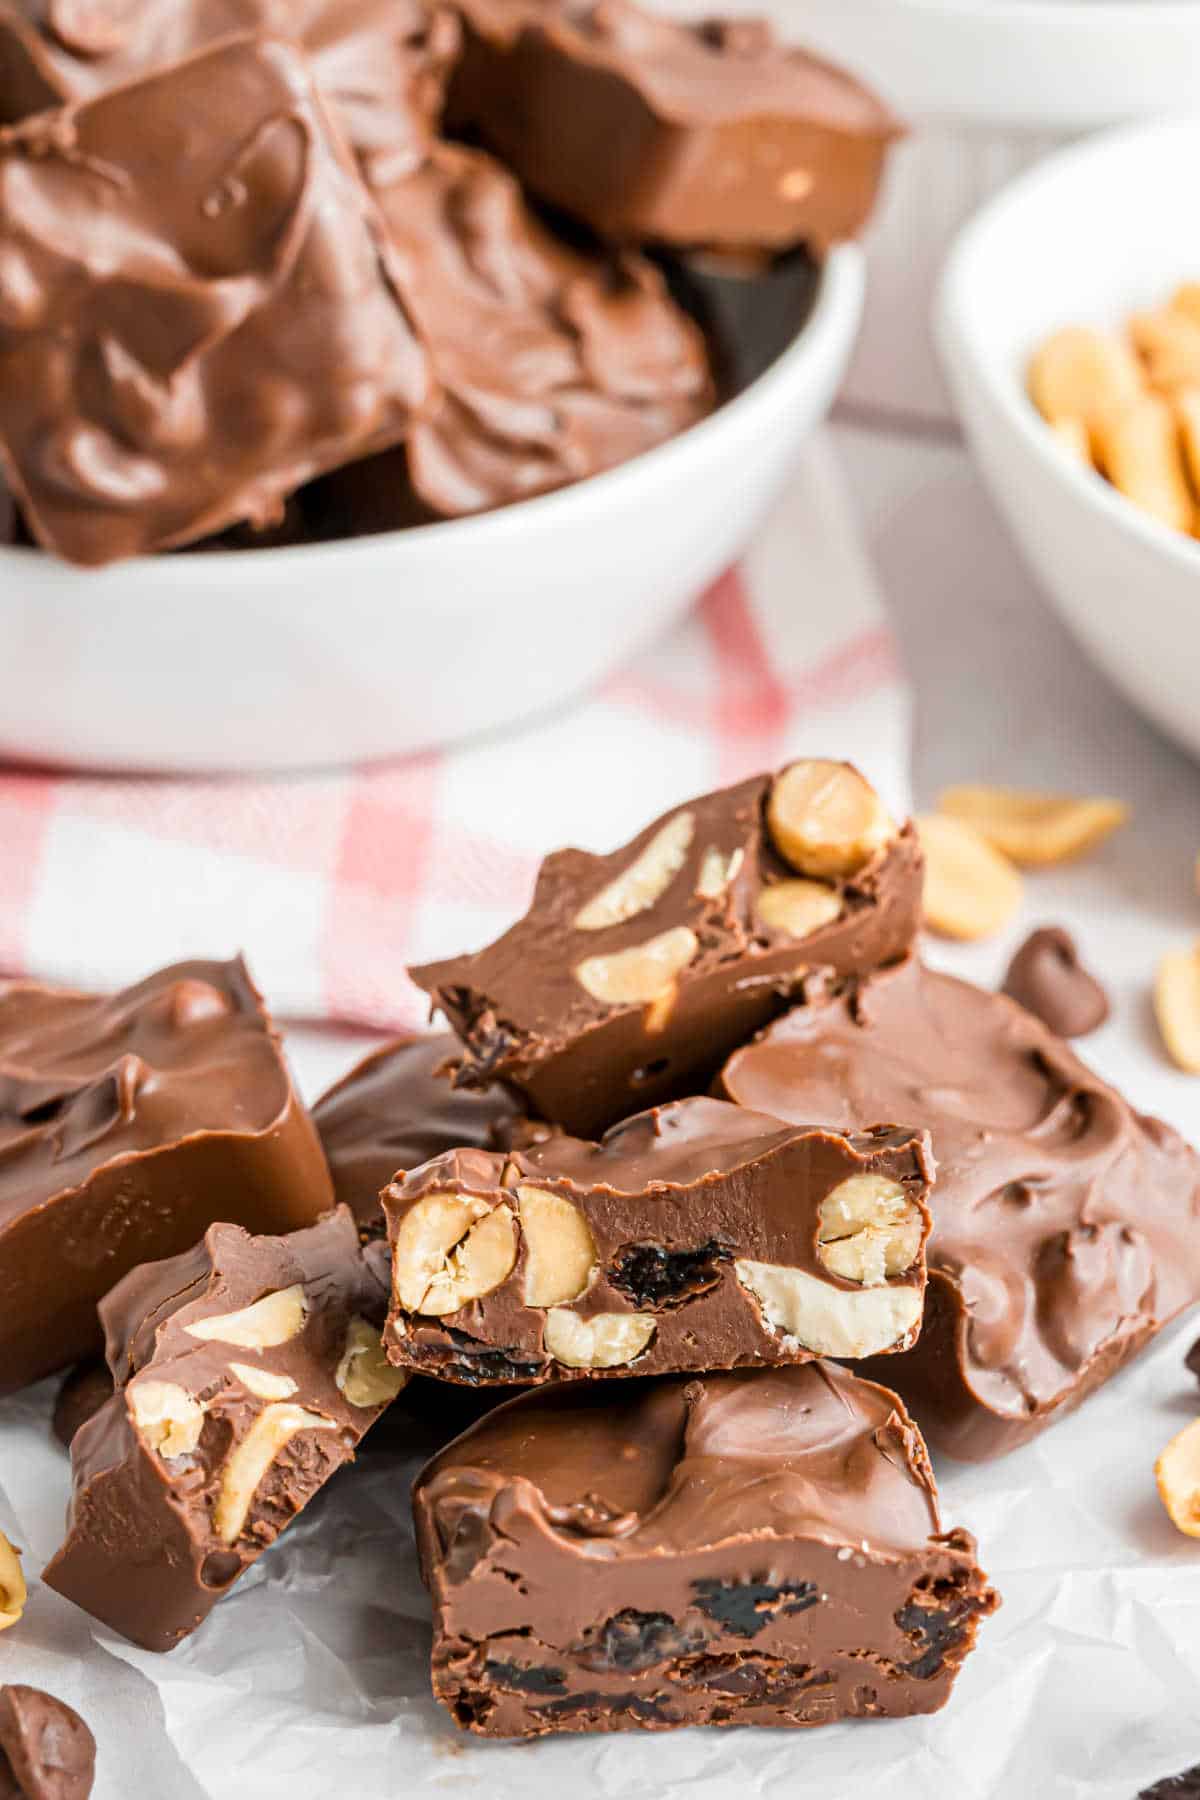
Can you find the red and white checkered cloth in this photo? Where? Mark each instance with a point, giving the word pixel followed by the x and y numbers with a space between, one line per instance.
pixel 332 884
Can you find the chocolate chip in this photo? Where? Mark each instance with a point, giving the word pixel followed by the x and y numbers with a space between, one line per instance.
pixel 526 1679
pixel 46 1750
pixel 1047 978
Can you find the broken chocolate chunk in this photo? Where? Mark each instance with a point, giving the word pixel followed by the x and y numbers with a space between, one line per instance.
pixel 247 1371
pixel 633 975
pixel 527 1266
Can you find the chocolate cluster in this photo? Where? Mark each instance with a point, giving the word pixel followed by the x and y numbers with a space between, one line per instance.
pixel 709 1154
pixel 394 262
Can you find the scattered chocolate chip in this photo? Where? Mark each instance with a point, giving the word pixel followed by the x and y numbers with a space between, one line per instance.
pixel 46 1750
pixel 1048 979
pixel 745 1607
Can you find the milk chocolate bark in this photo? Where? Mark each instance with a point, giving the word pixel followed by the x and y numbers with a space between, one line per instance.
pixel 380 64
pixel 126 1124
pixel 46 1750
pixel 756 1548
pixel 247 1370
pixel 695 1236
pixel 649 128
pixel 633 975
pixel 553 364
pixel 1065 1225
pixel 199 310
pixel 398 1108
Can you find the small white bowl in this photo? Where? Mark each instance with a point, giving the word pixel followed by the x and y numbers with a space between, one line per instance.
pixel 336 653
pixel 988 87
pixel 1094 233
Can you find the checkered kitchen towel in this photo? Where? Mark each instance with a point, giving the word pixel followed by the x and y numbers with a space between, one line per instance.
pixel 332 884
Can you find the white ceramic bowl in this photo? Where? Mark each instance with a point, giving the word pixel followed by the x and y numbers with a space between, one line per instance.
pixel 989 87
pixel 1094 233
pixel 335 653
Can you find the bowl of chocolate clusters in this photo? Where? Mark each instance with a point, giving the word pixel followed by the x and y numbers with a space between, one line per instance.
pixel 436 350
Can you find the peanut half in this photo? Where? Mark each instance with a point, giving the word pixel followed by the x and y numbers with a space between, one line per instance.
pixel 167 1416
pixel 560 1251
pixel 1177 1473
pixel 275 1319
pixel 364 1374
pixel 1138 447
pixel 263 1383
pixel 1079 373
pixel 798 907
pixel 644 973
pixel 869 1229
pixel 828 1320
pixel 1033 828
pixel 646 880
pixel 272 1429
pixel 449 1249
pixel 12 1585
pixel 604 1341
pixel 1177 1006
pixel 825 819
pixel 971 890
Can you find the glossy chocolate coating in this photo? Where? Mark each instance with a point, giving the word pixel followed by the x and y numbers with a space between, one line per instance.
pixel 525 1018
pixel 46 1750
pixel 126 1124
pixel 1047 978
pixel 760 1547
pixel 675 1202
pixel 395 1110
pixel 553 364
pixel 1066 1227
pixel 381 64
pixel 198 309
pixel 145 1550
pixel 650 129
pixel 82 1394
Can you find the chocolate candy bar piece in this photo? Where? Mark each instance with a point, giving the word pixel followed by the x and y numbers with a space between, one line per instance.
pixel 695 1236
pixel 755 1548
pixel 398 1108
pixel 381 64
pixel 247 1370
pixel 554 364
pixel 1064 1223
pixel 633 975
pixel 126 1124
pixel 652 129
pixel 197 307
pixel 46 1750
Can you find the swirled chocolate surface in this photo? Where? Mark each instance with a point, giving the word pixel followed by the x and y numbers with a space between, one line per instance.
pixel 553 363
pixel 760 1547
pixel 197 306
pixel 1066 1226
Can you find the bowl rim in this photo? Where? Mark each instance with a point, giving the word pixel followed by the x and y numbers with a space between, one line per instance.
pixel 836 304
pixel 959 340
